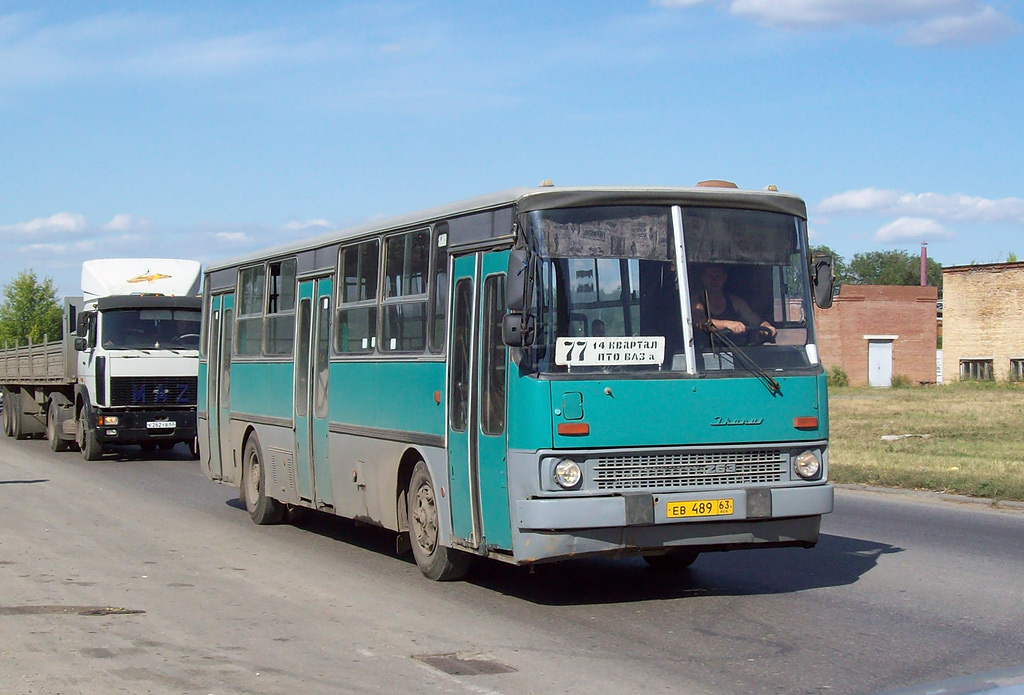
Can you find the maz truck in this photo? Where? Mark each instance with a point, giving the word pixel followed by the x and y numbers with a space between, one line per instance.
pixel 125 369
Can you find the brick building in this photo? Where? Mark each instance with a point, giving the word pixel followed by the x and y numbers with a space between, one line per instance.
pixel 877 332
pixel 983 321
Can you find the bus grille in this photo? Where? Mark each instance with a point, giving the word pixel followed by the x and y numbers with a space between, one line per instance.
pixel 153 391
pixel 690 469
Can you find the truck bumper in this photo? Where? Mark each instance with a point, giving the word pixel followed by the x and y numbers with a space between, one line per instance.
pixel 135 426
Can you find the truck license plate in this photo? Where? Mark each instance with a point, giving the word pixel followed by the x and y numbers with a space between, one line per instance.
pixel 685 510
pixel 161 424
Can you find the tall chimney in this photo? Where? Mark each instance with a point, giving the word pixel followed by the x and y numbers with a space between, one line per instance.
pixel 924 264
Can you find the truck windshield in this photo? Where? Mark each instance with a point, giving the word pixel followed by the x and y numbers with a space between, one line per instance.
pixel 610 299
pixel 148 329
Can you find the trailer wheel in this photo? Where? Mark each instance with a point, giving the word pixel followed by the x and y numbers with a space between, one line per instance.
pixel 88 442
pixel 7 412
pixel 17 428
pixel 52 433
pixel 263 509
pixel 435 561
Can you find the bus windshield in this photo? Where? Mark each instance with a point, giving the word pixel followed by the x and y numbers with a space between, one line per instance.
pixel 147 329
pixel 609 296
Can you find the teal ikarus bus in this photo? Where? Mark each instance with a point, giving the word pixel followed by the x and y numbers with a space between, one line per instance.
pixel 534 375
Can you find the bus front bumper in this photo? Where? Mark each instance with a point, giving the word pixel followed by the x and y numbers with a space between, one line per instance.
pixel 555 528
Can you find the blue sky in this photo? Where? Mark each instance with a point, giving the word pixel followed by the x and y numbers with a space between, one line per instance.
pixel 204 130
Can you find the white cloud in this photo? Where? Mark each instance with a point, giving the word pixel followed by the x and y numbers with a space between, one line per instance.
pixel 232 237
pixel 912 229
pixel 955 207
pixel 678 3
pixel 58 249
pixel 984 26
pixel 300 226
pixel 60 224
pixel 927 22
pixel 124 222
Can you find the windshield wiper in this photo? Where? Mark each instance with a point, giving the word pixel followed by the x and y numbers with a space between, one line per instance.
pixel 744 359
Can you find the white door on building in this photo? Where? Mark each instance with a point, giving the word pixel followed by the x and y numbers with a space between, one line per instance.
pixel 880 363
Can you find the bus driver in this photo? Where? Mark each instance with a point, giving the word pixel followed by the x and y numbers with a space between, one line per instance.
pixel 728 311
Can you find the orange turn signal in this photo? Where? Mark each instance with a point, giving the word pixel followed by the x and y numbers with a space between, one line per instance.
pixel 805 423
pixel 573 429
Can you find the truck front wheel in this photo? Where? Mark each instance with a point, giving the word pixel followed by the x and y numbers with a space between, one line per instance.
pixel 88 442
pixel 53 427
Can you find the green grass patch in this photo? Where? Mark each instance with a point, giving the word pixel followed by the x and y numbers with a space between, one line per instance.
pixel 967 438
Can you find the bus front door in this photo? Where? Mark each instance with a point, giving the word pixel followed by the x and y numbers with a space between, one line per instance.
pixel 476 401
pixel 210 446
pixel 312 371
pixel 220 465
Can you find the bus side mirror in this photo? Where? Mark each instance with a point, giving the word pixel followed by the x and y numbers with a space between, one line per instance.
pixel 517 329
pixel 822 280
pixel 517 278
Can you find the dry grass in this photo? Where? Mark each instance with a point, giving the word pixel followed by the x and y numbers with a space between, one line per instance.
pixel 974 444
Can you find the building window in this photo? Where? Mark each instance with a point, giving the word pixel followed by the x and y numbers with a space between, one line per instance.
pixel 976 370
pixel 1017 369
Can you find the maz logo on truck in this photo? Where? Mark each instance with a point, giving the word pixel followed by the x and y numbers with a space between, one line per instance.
pixel 145 394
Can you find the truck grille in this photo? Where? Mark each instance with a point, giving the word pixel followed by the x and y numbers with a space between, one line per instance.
pixel 690 469
pixel 153 391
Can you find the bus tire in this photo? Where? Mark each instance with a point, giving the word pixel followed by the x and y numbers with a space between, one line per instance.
pixel 52 431
pixel 262 509
pixel 88 442
pixel 437 562
pixel 673 560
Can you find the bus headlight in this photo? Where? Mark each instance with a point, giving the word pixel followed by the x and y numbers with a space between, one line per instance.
pixel 807 465
pixel 568 474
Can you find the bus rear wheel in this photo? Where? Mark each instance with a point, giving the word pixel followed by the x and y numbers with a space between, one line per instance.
pixel 262 509
pixel 435 560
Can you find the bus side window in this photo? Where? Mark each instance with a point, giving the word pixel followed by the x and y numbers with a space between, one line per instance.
pixel 462 325
pixel 439 288
pixel 492 392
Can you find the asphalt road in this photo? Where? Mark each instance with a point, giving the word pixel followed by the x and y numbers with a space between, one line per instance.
pixel 137 575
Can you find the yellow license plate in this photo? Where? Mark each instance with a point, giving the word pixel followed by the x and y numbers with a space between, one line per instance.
pixel 685 510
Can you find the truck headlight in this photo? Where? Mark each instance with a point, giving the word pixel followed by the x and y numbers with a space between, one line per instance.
pixel 568 474
pixel 108 420
pixel 807 465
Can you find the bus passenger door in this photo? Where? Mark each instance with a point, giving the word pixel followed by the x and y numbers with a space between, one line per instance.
pixel 312 371
pixel 301 397
pixel 477 402
pixel 462 455
pixel 220 410
pixel 211 447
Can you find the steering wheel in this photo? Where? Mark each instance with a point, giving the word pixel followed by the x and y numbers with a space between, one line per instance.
pixel 759 335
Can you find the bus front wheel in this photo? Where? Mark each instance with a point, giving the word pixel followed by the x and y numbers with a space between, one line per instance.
pixel 263 509
pixel 435 560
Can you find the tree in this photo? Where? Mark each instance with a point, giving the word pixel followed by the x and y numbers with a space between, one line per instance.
pixel 30 310
pixel 892 268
